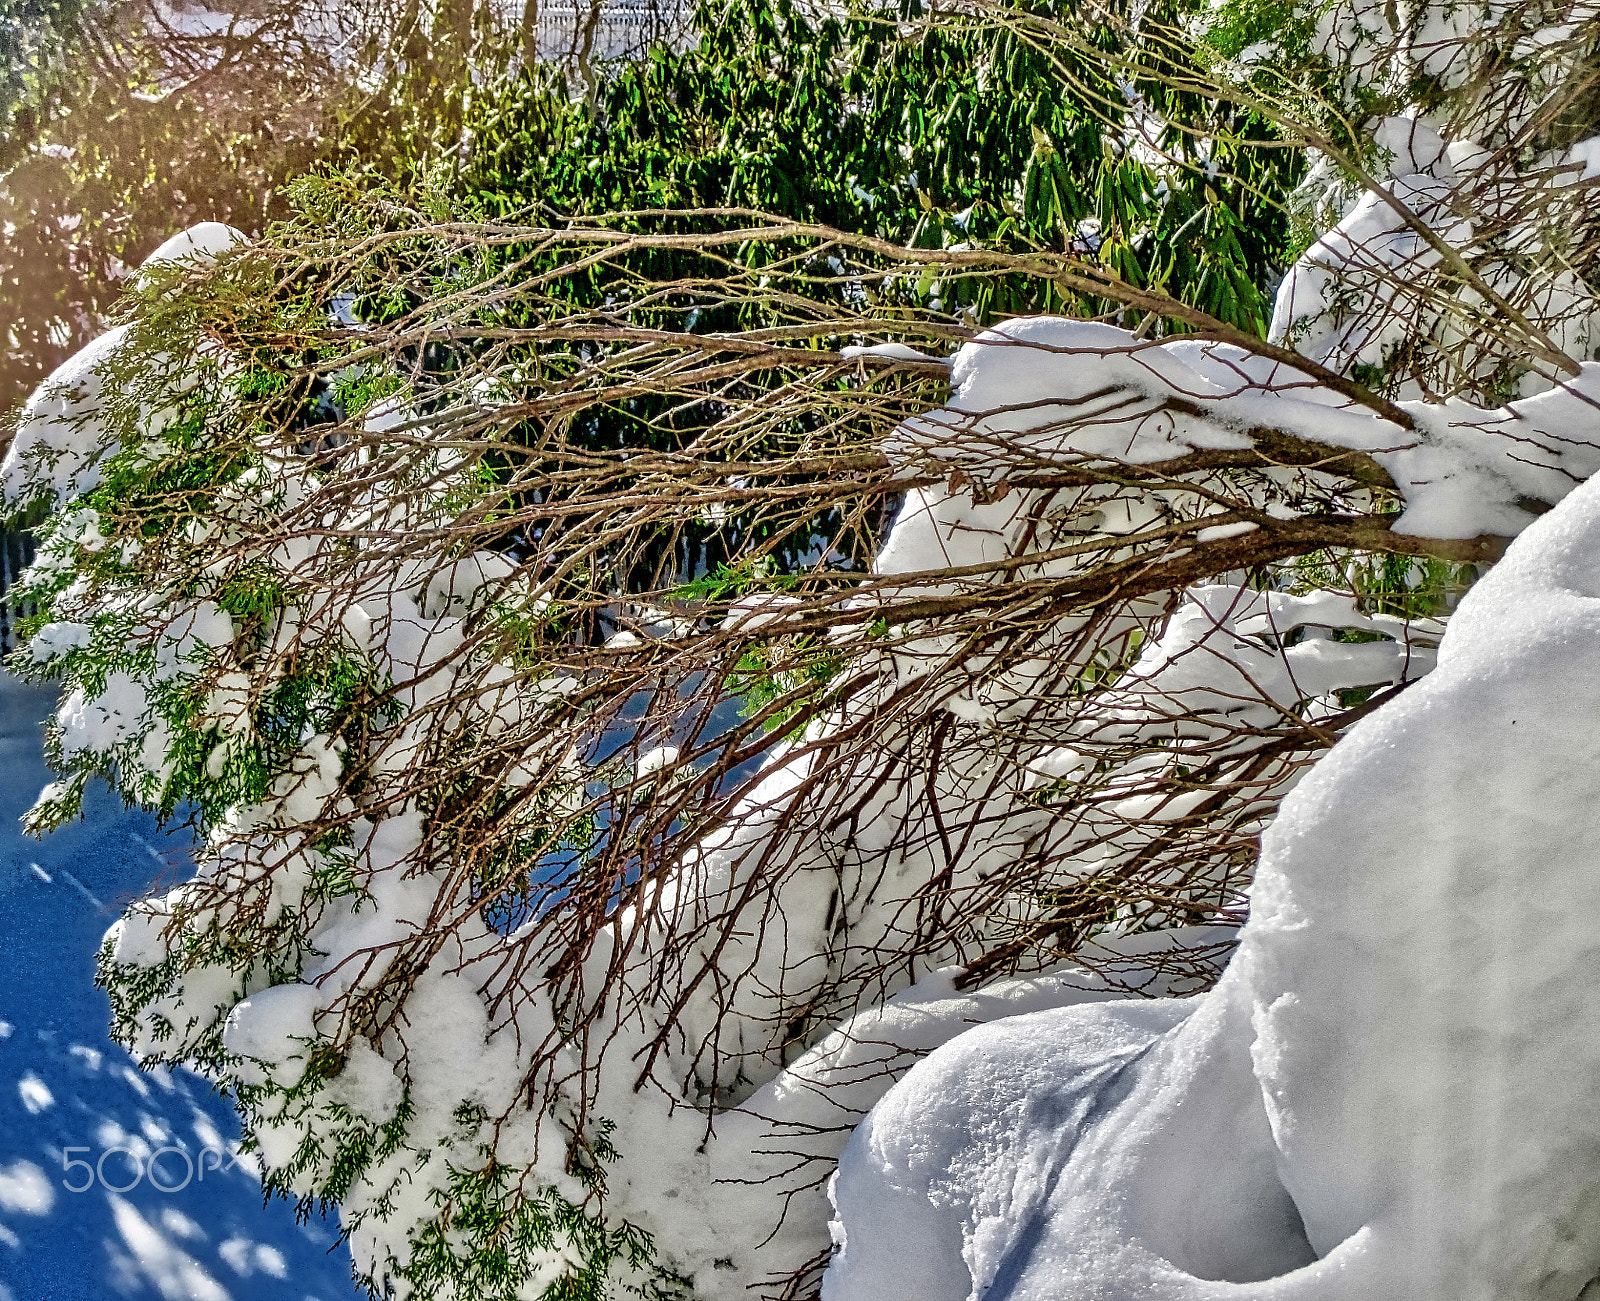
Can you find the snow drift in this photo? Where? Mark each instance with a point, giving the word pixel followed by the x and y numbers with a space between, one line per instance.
pixel 1394 1091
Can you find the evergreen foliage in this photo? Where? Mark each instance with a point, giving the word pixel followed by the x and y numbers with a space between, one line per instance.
pixel 928 130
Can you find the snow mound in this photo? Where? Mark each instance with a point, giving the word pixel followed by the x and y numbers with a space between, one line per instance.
pixel 1394 1090
pixel 200 245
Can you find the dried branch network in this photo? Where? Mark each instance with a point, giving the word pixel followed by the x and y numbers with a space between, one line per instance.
pixel 617 749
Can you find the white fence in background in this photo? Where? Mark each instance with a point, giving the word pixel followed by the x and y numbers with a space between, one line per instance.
pixel 606 30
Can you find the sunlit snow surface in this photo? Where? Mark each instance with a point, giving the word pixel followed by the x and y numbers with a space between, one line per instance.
pixel 64 1084
pixel 1393 1091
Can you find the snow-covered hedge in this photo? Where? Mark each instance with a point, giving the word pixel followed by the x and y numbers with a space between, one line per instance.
pixel 513 940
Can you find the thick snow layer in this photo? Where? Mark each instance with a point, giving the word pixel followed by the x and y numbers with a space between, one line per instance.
pixel 61 436
pixel 1393 1092
pixel 1040 392
pixel 891 351
pixel 56 447
pixel 200 244
pixel 784 1139
pixel 1376 246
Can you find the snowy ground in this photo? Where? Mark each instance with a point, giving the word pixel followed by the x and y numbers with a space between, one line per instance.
pixel 68 1094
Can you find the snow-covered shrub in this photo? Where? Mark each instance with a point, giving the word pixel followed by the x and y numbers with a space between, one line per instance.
pixel 617 752
pixel 1452 151
pixel 1392 1090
